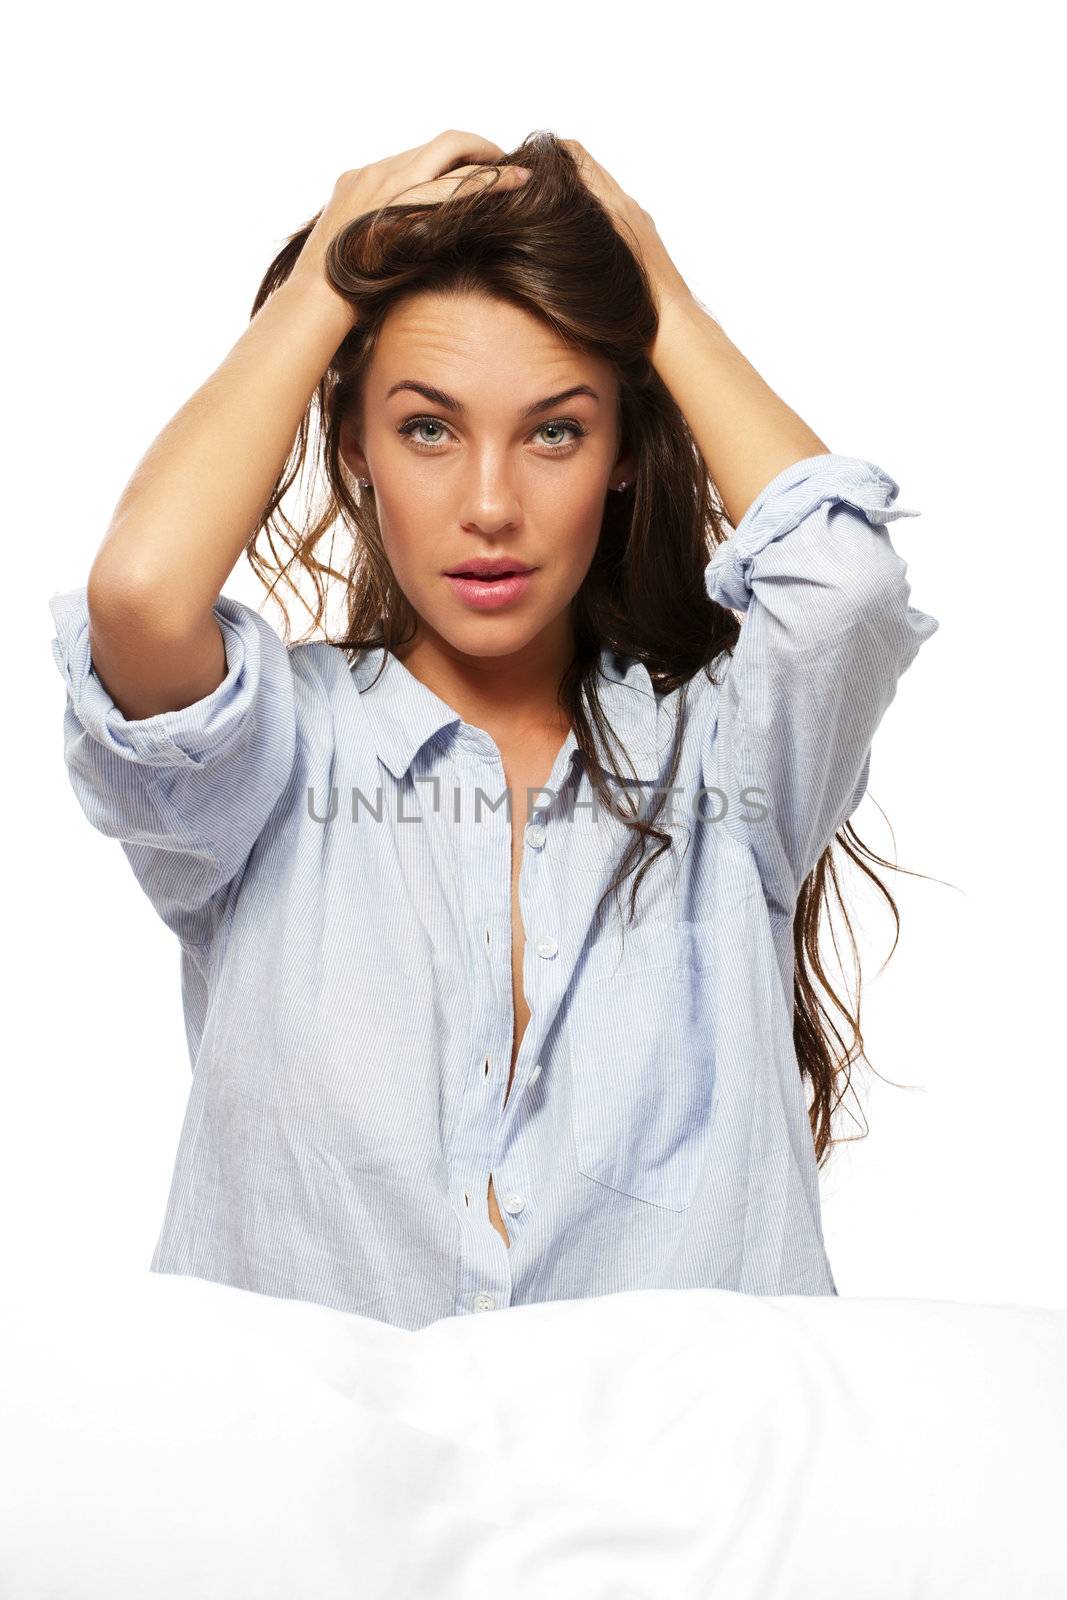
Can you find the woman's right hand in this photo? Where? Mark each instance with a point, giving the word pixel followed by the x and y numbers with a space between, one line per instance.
pixel 427 172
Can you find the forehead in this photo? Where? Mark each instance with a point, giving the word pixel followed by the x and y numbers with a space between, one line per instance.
pixel 471 344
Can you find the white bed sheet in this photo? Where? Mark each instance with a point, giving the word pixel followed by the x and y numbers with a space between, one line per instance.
pixel 166 1438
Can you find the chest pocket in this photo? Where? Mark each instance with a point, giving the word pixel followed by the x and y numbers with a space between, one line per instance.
pixel 643 1062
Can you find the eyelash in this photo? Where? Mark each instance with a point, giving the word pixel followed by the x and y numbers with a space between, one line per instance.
pixel 576 428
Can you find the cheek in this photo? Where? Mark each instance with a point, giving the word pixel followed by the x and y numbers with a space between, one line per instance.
pixel 406 503
pixel 576 549
pixel 579 559
pixel 404 539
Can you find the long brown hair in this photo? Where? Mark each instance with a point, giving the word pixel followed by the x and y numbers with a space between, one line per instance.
pixel 550 248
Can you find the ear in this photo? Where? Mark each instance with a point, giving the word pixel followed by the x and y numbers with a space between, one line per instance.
pixel 350 452
pixel 623 471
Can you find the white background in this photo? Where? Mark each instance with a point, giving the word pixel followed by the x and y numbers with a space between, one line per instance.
pixel 866 197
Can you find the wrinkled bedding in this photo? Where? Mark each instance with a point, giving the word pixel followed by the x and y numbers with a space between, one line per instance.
pixel 175 1439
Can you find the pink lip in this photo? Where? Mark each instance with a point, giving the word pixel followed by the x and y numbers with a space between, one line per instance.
pixel 490 594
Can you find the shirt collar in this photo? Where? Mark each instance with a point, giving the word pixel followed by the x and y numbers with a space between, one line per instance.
pixel 404 714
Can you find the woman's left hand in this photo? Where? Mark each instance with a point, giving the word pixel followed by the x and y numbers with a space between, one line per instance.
pixel 634 225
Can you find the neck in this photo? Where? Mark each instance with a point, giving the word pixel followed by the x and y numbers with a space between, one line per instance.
pixel 512 696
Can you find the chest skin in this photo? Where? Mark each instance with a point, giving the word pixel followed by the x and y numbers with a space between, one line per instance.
pixel 528 767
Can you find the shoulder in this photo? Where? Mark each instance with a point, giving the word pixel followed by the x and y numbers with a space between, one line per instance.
pixel 329 665
pixel 695 692
pixel 323 685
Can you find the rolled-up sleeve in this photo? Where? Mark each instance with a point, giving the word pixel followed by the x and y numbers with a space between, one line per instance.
pixel 826 634
pixel 186 792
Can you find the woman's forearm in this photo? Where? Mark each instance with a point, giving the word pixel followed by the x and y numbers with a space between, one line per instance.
pixel 746 434
pixel 198 493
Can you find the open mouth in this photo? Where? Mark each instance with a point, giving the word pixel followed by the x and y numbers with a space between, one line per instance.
pixel 488 577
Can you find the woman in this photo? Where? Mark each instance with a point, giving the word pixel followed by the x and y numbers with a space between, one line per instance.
pixel 439 1067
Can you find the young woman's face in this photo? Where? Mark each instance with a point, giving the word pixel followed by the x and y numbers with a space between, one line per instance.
pixel 482 468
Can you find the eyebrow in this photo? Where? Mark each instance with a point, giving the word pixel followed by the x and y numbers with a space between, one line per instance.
pixel 448 402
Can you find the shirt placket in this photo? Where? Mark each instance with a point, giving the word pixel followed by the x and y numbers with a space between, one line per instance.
pixel 489 1141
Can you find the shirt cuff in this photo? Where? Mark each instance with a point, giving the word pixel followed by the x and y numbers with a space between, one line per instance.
pixel 789 498
pixel 182 738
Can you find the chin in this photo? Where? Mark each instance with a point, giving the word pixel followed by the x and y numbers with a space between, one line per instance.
pixel 486 635
pixel 494 638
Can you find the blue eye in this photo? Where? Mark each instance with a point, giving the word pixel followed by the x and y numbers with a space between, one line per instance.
pixel 572 427
pixel 419 422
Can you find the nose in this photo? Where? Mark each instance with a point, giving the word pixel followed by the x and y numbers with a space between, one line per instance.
pixel 489 501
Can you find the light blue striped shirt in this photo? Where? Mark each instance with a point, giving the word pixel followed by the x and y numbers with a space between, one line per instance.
pixel 342 898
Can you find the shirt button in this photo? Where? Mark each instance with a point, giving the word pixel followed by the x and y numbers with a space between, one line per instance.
pixel 484 1302
pixel 547 948
pixel 535 835
pixel 514 1203
pixel 535 1072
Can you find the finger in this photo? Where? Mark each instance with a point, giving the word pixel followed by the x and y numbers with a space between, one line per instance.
pixel 488 174
pixel 454 146
pixel 441 188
